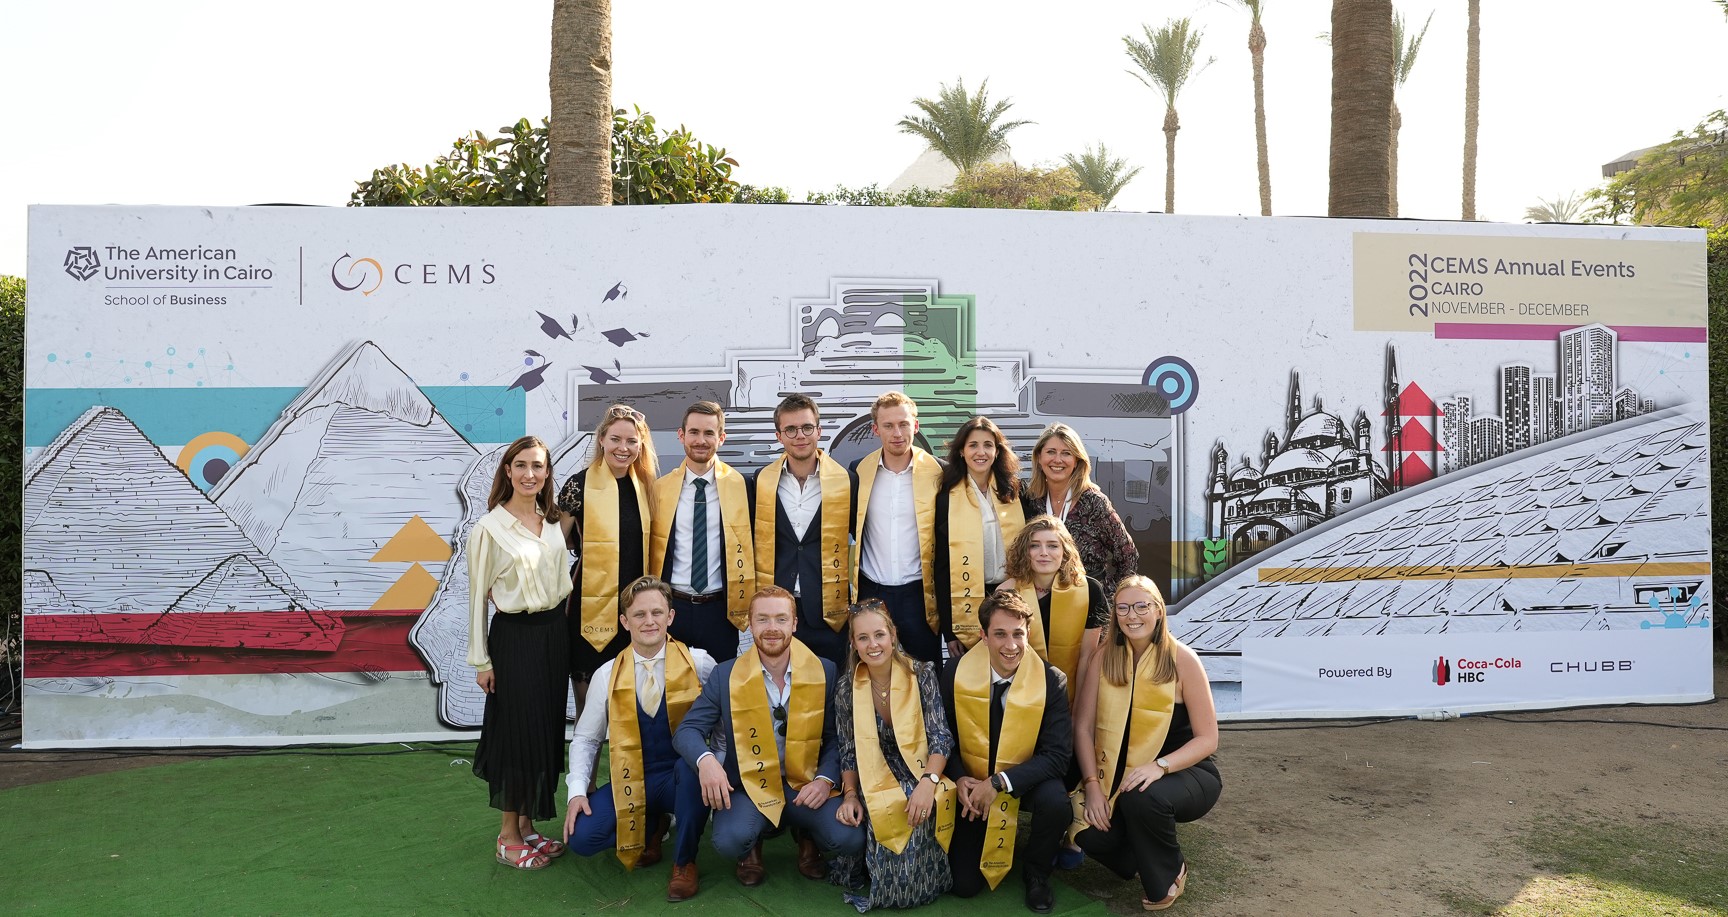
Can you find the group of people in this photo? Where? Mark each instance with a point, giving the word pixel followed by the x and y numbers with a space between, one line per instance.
pixel 890 660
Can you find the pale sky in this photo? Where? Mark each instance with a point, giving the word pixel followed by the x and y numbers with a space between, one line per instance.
pixel 222 103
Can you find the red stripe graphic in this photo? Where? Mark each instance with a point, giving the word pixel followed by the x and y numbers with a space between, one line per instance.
pixel 218 643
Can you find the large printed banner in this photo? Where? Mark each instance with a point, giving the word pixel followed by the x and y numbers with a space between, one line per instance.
pixel 1370 462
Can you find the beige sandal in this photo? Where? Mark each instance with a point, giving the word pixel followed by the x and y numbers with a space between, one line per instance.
pixel 1181 886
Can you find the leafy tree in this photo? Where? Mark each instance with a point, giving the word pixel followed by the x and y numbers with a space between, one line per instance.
pixel 580 159
pixel 1564 208
pixel 1008 186
pixel 1682 182
pixel 873 196
pixel 966 129
pixel 1098 173
pixel 1257 54
pixel 1363 54
pixel 648 167
pixel 750 194
pixel 1472 103
pixel 1166 60
pixel 1407 47
pixel 11 484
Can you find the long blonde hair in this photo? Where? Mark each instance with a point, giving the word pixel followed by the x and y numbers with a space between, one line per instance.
pixel 1117 663
pixel 872 607
pixel 1082 479
pixel 647 465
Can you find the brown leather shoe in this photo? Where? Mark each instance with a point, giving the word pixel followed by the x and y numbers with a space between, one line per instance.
pixel 810 862
pixel 750 870
pixel 651 852
pixel 684 883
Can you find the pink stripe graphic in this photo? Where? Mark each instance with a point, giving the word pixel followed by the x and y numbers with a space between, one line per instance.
pixel 1473 331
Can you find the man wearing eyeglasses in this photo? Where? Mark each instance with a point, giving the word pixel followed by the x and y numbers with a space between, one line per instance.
pixel 803 504
pixel 701 542
pixel 761 738
pixel 896 524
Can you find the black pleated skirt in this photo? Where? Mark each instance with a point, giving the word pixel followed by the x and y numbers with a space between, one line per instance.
pixel 521 750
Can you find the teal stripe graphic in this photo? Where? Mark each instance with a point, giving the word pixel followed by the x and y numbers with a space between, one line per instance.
pixel 174 416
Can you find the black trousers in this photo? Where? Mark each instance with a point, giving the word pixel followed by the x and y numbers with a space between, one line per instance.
pixel 906 607
pixel 705 626
pixel 823 640
pixel 1142 835
pixel 1051 813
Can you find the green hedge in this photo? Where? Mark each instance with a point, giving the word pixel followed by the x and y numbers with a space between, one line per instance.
pixel 11 469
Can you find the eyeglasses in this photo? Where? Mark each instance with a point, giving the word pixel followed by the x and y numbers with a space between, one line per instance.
pixel 779 711
pixel 791 432
pixel 624 412
pixel 1138 609
pixel 868 606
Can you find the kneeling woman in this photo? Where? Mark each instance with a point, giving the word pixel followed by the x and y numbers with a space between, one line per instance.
pixel 894 746
pixel 516 557
pixel 1144 716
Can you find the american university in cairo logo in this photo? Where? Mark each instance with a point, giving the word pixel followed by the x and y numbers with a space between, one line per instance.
pixel 349 273
pixel 81 262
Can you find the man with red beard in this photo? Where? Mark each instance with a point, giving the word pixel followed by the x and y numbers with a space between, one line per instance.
pixel 761 738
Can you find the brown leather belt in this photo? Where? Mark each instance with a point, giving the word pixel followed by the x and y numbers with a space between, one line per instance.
pixel 702 599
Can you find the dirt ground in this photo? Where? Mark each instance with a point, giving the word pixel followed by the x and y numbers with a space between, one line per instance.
pixel 1406 818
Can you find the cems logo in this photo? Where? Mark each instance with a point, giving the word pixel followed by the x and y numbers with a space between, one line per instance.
pixel 81 262
pixel 350 273
pixel 367 275
pixel 1470 671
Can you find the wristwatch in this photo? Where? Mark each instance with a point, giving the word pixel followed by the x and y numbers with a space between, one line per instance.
pixel 997 783
pixel 934 778
pixel 1163 763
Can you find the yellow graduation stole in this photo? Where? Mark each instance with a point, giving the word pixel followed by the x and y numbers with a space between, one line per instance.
pixel 1022 716
pixel 738 567
pixel 966 554
pixel 600 539
pixel 836 492
pixel 624 734
pixel 883 797
pixel 1142 710
pixel 926 479
pixel 1061 647
pixel 753 728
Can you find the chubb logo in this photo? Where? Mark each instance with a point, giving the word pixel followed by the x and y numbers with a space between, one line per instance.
pixel 350 273
pixel 1442 671
pixel 82 263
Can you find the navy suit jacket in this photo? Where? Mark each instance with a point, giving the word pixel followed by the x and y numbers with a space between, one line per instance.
pixel 707 725
pixel 1055 747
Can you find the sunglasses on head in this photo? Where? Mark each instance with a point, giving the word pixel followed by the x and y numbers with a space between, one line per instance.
pixel 620 412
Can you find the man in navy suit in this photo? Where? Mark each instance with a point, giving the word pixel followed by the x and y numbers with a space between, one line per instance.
pixel 795 685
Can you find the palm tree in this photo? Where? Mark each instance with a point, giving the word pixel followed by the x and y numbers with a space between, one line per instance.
pixel 579 152
pixel 1407 48
pixel 1166 60
pixel 1564 208
pixel 1363 55
pixel 1472 101
pixel 1257 52
pixel 966 129
pixel 1100 174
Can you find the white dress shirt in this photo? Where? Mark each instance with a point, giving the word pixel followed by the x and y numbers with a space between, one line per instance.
pixel 801 501
pixel 594 725
pixel 891 555
pixel 995 555
pixel 683 518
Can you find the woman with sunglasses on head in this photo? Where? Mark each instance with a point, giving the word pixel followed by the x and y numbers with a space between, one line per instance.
pixel 1062 486
pixel 979 511
pixel 606 525
pixel 894 748
pixel 1145 730
pixel 521 655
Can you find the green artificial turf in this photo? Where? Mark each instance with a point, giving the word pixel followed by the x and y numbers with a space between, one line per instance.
pixel 346 833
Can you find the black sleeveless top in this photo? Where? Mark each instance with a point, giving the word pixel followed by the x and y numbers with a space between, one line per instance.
pixel 1180 734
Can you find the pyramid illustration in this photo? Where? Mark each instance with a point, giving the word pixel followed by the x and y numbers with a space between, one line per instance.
pixel 410 593
pixel 326 489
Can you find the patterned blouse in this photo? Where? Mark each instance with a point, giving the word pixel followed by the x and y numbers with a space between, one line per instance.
pixel 1106 550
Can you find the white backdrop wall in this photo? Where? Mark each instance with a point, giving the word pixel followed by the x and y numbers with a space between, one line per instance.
pixel 1379 467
